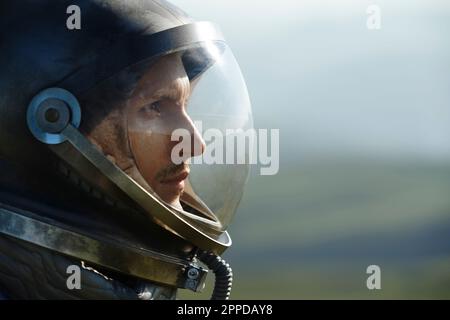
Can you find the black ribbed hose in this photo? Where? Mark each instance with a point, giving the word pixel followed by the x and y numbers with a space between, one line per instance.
pixel 223 273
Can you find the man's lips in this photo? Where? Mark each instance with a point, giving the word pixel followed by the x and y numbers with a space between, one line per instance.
pixel 177 178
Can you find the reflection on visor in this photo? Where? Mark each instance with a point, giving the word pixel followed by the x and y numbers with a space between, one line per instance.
pixel 219 104
pixel 197 60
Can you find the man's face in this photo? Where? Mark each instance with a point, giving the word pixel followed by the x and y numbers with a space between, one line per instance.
pixel 156 109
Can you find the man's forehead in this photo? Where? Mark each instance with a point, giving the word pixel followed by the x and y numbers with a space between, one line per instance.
pixel 166 78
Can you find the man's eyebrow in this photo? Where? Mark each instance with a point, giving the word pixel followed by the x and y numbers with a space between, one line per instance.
pixel 178 90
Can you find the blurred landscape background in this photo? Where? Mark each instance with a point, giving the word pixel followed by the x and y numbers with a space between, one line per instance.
pixel 364 119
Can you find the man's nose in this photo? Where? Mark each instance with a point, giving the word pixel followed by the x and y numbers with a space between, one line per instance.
pixel 197 144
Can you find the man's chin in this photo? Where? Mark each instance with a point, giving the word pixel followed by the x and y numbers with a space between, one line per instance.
pixel 171 197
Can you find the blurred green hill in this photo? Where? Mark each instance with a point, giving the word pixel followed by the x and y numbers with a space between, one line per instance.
pixel 312 230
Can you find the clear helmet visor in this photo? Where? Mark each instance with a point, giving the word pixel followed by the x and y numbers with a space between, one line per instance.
pixel 188 119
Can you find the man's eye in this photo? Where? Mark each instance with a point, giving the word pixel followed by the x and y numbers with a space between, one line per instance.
pixel 152 107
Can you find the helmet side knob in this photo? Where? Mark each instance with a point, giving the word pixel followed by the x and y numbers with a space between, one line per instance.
pixel 49 113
